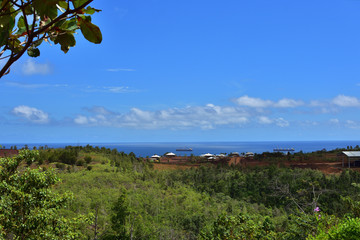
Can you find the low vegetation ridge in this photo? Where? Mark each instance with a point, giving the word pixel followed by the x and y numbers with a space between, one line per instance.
pixel 106 194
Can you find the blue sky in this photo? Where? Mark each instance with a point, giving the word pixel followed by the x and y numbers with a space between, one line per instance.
pixel 231 70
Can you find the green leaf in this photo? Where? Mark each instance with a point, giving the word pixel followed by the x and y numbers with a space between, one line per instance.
pixel 66 41
pixel 90 31
pixel 37 43
pixel 64 48
pixel 33 52
pixel 3 37
pixel 28 10
pixel 69 25
pixel 21 22
pixel 91 10
pixel 15 45
pixel 63 4
pixel 7 21
pixel 78 3
pixel 46 8
pixel 21 26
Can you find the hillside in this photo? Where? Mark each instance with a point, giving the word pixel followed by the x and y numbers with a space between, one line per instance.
pixel 125 197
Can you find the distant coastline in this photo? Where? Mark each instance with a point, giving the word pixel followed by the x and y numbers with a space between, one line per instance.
pixel 149 148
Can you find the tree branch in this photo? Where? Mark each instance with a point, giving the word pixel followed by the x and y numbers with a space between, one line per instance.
pixel 32 34
pixel 60 17
pixel 14 58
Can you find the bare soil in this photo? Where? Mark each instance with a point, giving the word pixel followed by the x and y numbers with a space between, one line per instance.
pixel 332 166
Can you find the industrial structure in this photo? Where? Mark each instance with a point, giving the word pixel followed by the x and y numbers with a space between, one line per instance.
pixel 353 156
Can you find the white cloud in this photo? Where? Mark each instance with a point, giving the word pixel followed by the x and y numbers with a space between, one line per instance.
pixel 209 116
pixel 334 121
pixel 325 106
pixel 264 120
pixel 352 124
pixel 282 122
pixel 253 102
pixel 110 89
pixel 346 101
pixel 288 103
pixel 261 103
pixel 30 67
pixel 117 89
pixel 204 117
pixel 309 123
pixel 31 114
pixel 248 112
pixel 81 120
pixel 317 103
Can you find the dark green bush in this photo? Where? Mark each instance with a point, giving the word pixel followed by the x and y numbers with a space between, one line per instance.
pixel 80 162
pixel 60 166
pixel 88 159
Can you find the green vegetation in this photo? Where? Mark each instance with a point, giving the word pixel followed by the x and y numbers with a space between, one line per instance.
pixel 118 196
pixel 28 205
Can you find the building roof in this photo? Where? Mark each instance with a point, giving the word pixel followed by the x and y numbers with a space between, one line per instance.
pixel 235 153
pixel 207 155
pixel 155 156
pixel 352 153
pixel 170 154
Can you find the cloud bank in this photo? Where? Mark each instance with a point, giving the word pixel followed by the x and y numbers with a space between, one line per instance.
pixel 31 114
pixel 204 117
pixel 246 111
pixel 263 103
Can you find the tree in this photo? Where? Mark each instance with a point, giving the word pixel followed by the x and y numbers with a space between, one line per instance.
pixel 26 24
pixel 28 206
pixel 239 227
pixel 120 210
pixel 118 219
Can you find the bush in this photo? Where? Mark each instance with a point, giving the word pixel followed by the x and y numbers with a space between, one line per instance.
pixel 80 162
pixel 68 157
pixel 40 161
pixel 89 168
pixel 60 166
pixel 347 230
pixel 88 159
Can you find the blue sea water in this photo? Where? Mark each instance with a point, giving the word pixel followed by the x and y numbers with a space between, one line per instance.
pixel 148 149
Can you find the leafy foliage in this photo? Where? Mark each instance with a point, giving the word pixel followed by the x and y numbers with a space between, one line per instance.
pixel 28 206
pixel 240 227
pixel 26 24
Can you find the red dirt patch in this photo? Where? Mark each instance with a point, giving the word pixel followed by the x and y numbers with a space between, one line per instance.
pixel 327 167
pixel 161 166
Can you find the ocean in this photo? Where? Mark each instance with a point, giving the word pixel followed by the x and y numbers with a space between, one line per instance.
pixel 160 148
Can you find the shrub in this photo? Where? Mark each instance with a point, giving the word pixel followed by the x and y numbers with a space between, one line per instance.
pixel 88 159
pixel 347 230
pixel 80 162
pixel 60 166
